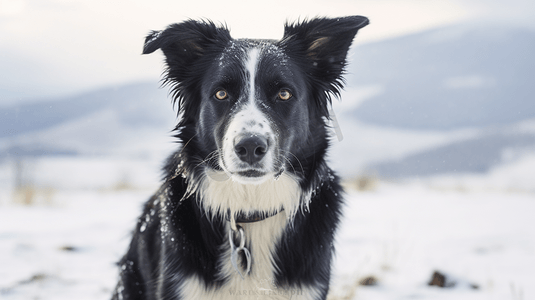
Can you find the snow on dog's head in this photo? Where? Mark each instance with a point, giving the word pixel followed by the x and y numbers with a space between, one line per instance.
pixel 254 110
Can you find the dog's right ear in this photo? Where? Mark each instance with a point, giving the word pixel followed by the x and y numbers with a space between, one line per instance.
pixel 323 44
pixel 184 43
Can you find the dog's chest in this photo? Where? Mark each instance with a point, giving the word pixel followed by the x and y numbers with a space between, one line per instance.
pixel 261 240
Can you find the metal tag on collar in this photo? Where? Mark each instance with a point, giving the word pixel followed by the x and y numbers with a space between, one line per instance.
pixel 235 250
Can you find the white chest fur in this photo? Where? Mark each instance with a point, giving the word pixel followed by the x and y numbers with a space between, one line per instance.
pixel 222 197
pixel 260 282
pixel 261 238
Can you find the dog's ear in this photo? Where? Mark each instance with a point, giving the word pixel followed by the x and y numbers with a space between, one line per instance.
pixel 184 43
pixel 323 44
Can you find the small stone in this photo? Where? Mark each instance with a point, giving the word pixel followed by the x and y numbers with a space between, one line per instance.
pixel 368 281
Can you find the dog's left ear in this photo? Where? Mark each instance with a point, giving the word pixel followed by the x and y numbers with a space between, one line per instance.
pixel 184 43
pixel 324 43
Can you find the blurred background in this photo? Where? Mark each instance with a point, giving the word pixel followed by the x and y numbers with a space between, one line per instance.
pixel 439 108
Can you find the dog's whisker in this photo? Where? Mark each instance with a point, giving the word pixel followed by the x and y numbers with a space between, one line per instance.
pixel 290 163
pixel 296 158
pixel 187 143
pixel 208 159
pixel 281 162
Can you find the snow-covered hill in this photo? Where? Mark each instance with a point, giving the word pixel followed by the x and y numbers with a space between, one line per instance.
pixel 95 122
pixel 474 155
pixel 466 75
pixel 453 99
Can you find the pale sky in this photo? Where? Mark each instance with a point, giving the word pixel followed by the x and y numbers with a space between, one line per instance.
pixel 58 47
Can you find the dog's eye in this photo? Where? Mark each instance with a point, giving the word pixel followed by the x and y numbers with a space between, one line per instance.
pixel 221 95
pixel 285 95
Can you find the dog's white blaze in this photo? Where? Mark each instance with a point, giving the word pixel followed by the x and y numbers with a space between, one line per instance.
pixel 251 66
pixel 248 120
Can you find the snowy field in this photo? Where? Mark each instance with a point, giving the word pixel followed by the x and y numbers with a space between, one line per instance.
pixel 65 245
pixel 401 234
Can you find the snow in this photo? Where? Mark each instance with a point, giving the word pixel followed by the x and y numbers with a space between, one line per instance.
pixel 516 175
pixel 35 242
pixel 399 233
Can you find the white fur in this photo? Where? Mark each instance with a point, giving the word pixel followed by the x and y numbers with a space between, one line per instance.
pixel 253 57
pixel 193 288
pixel 249 120
pixel 270 196
pixel 260 282
pixel 223 196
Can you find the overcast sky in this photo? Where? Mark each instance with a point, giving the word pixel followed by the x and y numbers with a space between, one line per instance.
pixel 59 47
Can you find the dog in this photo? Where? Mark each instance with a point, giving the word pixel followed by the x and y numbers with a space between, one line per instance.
pixel 248 207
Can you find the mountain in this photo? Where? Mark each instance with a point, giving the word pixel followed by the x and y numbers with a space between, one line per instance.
pixel 134 103
pixel 91 122
pixel 475 155
pixel 459 76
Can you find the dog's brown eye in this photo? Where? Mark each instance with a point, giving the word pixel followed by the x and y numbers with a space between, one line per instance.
pixel 221 95
pixel 285 95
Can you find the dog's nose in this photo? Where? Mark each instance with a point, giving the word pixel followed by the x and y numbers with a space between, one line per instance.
pixel 251 149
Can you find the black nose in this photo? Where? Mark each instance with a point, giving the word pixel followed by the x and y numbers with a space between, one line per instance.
pixel 251 149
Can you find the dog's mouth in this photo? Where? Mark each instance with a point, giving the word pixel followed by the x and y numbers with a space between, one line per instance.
pixel 247 176
pixel 252 173
pixel 250 176
pixel 253 176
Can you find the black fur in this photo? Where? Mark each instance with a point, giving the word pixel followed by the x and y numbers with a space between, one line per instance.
pixel 175 236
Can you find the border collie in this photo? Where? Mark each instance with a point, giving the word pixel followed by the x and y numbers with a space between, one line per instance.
pixel 248 207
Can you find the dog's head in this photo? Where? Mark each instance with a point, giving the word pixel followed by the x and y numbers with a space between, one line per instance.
pixel 255 108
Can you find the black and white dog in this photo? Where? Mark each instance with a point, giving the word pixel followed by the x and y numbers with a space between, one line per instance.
pixel 249 206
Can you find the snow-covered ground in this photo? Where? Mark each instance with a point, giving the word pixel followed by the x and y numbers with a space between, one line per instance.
pixel 401 234
pixel 66 247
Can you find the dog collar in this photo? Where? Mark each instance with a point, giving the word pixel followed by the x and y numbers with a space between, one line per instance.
pixel 254 217
pixel 236 235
